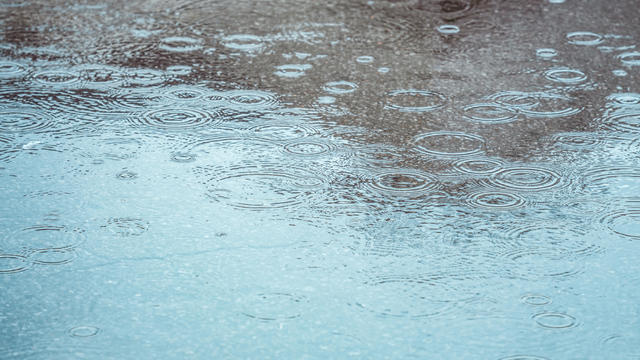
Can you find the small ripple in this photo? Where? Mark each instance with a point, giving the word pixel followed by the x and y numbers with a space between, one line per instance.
pixel 243 42
pixel 145 78
pixel 21 120
pixel 126 175
pixel 83 331
pixel 101 75
pixel 176 119
pixel 180 44
pixel 584 38
pixel 262 187
pixel 630 58
pixel 127 226
pixel 524 357
pixel 546 53
pixel 365 59
pixel 573 241
pixel 10 69
pixel 7 149
pixel 292 71
pixel 624 99
pixel 565 75
pixel 537 104
pixel 449 9
pixel 448 143
pixel 496 200
pixel 10 264
pixel 625 223
pixel 448 29
pixel 535 263
pixel 525 179
pixel 308 148
pixel 619 72
pixel 479 166
pixel 612 180
pixel 575 140
pixel 412 100
pixel 56 77
pixel 39 237
pixel 488 113
pixel 408 183
pixel 273 306
pixel 628 121
pixel 536 300
pixel 252 99
pixel 53 256
pixel 183 157
pixel 340 87
pixel 553 320
pixel 282 132
pixel 185 93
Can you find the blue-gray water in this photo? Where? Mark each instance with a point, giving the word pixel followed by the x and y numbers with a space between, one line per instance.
pixel 452 179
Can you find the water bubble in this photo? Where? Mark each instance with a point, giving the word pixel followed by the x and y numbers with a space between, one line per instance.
pixel 183 157
pixel 552 320
pixel 273 306
pixel 536 300
pixel 624 223
pixel 252 99
pixel 546 53
pixel 263 187
pixel 490 113
pixel 176 118
pixel 126 175
pixel 180 44
pixel 243 42
pixel 565 75
pixel 448 29
pixel 365 59
pixel 537 104
pixel 10 264
pixel 340 87
pixel 496 200
pixel 84 331
pixel 630 58
pixel 479 166
pixel 292 71
pixel 53 256
pixel 415 100
pixel 449 143
pixel 584 38
pixel 525 179
pixel 9 69
pixel 307 148
pixel 403 182
pixel 127 226
pixel 56 77
pixel 44 237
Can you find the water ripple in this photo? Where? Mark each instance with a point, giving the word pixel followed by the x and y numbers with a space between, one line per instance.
pixel 408 183
pixel 39 237
pixel 565 75
pixel 11 264
pixel 479 166
pixel 22 120
pixel 272 306
pixel 496 200
pixel 413 100
pixel 176 118
pixel 53 256
pixel 180 44
pixel 448 143
pixel 340 87
pixel 584 38
pixel 537 104
pixel 630 58
pixel 10 69
pixel 487 113
pixel 554 320
pixel 526 179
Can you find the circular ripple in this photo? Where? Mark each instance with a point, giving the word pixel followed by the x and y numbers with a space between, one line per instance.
pixel 252 99
pixel 183 157
pixel 565 76
pixel 101 75
pixel 7 149
pixel 10 264
pixel 365 59
pixel 340 87
pixel 536 300
pixel 415 100
pixel 282 132
pixel 176 118
pixel 575 140
pixel 56 77
pixel 53 256
pixel 408 183
pixel 584 38
pixel 537 104
pixel 624 223
pixel 525 179
pixel 449 143
pixel 627 121
pixel 127 226
pixel 625 99
pixel 9 69
pixel 448 9
pixel 553 320
pixel 126 175
pixel 273 306
pixel 539 263
pixel 448 29
pixel 84 331
pixel 180 44
pixel 490 113
pixel 20 120
pixel 144 78
pixel 307 148
pixel 546 53
pixel 39 237
pixel 259 187
pixel 243 42
pixel 630 58
pixel 185 93
pixel 479 166
pixel 496 200
pixel 612 180
pixel 292 71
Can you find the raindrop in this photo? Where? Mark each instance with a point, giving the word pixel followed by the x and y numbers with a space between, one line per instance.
pixel 126 175
pixel 553 320
pixel 180 44
pixel 292 71
pixel 340 87
pixel 252 99
pixel 584 38
pixel 630 58
pixel 546 53
pixel 176 118
pixel 490 113
pixel 182 157
pixel 53 256
pixel 273 306
pixel 565 76
pixel 83 331
pixel 525 179
pixel 496 200
pixel 449 143
pixel 536 300
pixel 243 42
pixel 415 100
pixel 365 59
pixel 126 226
pixel 10 264
pixel 448 29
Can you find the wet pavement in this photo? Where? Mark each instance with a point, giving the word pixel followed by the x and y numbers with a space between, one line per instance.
pixel 299 179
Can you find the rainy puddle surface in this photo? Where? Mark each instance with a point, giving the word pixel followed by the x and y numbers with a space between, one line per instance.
pixel 301 179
